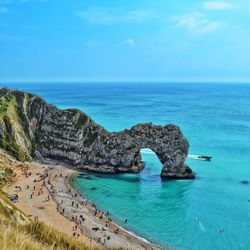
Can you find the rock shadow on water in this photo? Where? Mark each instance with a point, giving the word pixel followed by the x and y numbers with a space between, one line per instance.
pixel 85 176
pixel 121 177
pixel 107 194
pixel 245 182
pixel 175 189
pixel 128 177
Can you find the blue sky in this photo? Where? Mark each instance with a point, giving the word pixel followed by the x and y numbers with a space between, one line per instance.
pixel 123 40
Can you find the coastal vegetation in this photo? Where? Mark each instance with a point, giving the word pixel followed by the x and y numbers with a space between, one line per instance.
pixel 14 125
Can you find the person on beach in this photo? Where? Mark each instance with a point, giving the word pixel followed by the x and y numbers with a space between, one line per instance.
pixel 81 219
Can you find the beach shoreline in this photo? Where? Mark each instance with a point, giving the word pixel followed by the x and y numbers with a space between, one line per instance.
pixel 70 184
pixel 132 241
pixel 63 207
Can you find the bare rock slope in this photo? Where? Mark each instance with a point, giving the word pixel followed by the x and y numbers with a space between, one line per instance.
pixel 32 128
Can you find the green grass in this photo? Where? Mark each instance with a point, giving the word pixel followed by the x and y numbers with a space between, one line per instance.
pixel 6 102
pixel 19 233
pixel 36 236
pixel 82 120
pixel 44 233
pixel 11 118
pixel 5 175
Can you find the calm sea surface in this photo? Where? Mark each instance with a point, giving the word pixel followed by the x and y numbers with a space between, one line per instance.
pixel 185 214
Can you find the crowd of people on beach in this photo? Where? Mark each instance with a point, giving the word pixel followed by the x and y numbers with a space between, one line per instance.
pixel 70 204
pixel 46 179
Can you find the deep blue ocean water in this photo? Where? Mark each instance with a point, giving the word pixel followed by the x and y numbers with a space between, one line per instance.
pixel 185 214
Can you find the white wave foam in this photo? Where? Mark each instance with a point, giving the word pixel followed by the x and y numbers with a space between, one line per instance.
pixel 193 156
pixel 146 151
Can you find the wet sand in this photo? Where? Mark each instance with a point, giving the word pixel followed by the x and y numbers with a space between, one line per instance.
pixel 46 195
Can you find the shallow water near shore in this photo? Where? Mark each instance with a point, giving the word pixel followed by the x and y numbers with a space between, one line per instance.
pixel 186 214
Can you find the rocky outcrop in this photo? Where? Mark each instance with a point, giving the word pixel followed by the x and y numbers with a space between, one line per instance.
pixel 32 128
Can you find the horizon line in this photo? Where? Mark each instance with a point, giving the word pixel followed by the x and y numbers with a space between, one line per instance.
pixel 126 81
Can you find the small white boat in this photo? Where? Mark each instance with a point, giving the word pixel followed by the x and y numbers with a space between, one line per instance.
pixel 201 157
pixel 205 158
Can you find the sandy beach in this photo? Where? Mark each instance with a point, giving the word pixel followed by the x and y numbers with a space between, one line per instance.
pixel 45 194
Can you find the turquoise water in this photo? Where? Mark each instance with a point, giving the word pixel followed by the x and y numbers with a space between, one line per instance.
pixel 186 214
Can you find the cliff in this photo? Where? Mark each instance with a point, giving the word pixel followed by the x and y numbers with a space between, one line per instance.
pixel 32 128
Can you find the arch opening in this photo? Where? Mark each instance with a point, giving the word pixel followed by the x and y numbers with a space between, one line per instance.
pixel 147 157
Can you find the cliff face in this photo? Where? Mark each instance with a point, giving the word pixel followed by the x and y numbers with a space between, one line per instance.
pixel 32 128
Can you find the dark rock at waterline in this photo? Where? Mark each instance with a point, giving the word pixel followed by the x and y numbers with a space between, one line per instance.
pixel 36 129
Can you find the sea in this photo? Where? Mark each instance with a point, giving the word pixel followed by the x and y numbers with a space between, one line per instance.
pixel 209 212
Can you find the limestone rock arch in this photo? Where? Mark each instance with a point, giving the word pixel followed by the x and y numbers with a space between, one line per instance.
pixel 121 151
pixel 70 136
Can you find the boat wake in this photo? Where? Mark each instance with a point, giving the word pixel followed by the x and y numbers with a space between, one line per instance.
pixel 147 151
pixel 196 157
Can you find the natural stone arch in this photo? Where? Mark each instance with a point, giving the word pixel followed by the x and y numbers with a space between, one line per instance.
pixel 70 136
pixel 121 151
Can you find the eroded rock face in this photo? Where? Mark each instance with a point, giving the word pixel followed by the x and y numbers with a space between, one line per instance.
pixel 73 137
